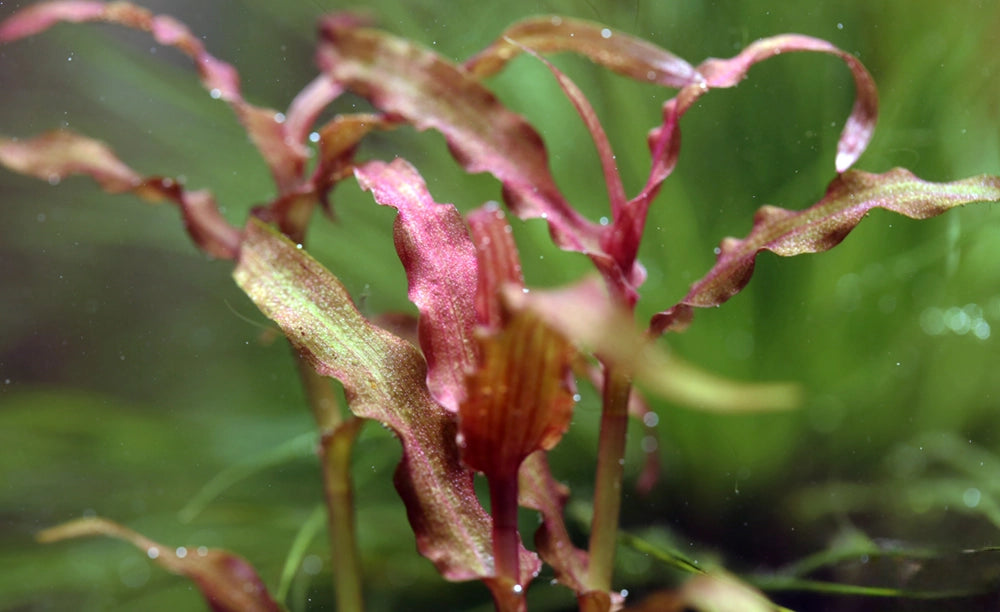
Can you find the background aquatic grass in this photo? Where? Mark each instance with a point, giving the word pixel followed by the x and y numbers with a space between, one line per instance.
pixel 129 375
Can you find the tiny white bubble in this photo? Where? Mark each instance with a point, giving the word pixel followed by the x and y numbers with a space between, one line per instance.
pixel 153 552
pixel 202 551
pixel 604 220
pixel 840 26
pixel 181 552
pixel 605 33
pixel 651 419
pixel 517 588
pixel 279 117
pixel 314 137
pixel 216 93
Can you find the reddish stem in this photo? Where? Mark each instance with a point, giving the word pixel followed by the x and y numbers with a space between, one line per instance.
pixel 506 543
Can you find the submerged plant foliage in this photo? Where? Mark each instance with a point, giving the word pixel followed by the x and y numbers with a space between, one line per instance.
pixel 489 381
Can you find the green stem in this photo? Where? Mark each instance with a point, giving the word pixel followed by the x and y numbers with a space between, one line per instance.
pixel 336 442
pixel 608 485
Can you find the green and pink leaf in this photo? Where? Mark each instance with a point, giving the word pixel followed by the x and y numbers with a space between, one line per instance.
pixel 384 379
pixel 849 198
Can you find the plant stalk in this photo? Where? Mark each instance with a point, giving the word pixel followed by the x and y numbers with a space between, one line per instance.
pixel 503 507
pixel 506 543
pixel 337 437
pixel 608 483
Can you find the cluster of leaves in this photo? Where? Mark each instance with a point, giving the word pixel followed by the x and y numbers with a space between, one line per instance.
pixel 491 387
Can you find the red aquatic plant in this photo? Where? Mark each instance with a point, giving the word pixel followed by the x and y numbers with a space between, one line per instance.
pixel 491 386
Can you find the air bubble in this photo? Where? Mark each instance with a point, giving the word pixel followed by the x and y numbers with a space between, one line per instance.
pixel 216 93
pixel 314 137
pixel 517 588
pixel 181 552
pixel 279 117
pixel 605 33
pixel 651 419
pixel 153 552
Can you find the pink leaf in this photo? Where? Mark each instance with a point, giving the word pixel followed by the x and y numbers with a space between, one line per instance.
pixel 821 227
pixel 434 247
pixel 57 155
pixel 228 582
pixel 384 379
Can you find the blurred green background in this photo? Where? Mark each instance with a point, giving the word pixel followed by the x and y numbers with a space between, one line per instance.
pixel 133 372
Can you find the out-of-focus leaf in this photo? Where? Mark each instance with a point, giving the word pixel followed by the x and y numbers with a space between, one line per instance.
pixel 625 54
pixel 299 447
pixel 280 138
pixel 404 80
pixel 384 379
pixel 519 398
pixel 708 593
pixel 308 531
pixel 821 227
pixel 585 314
pixel 59 154
pixel 433 244
pixel 228 582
